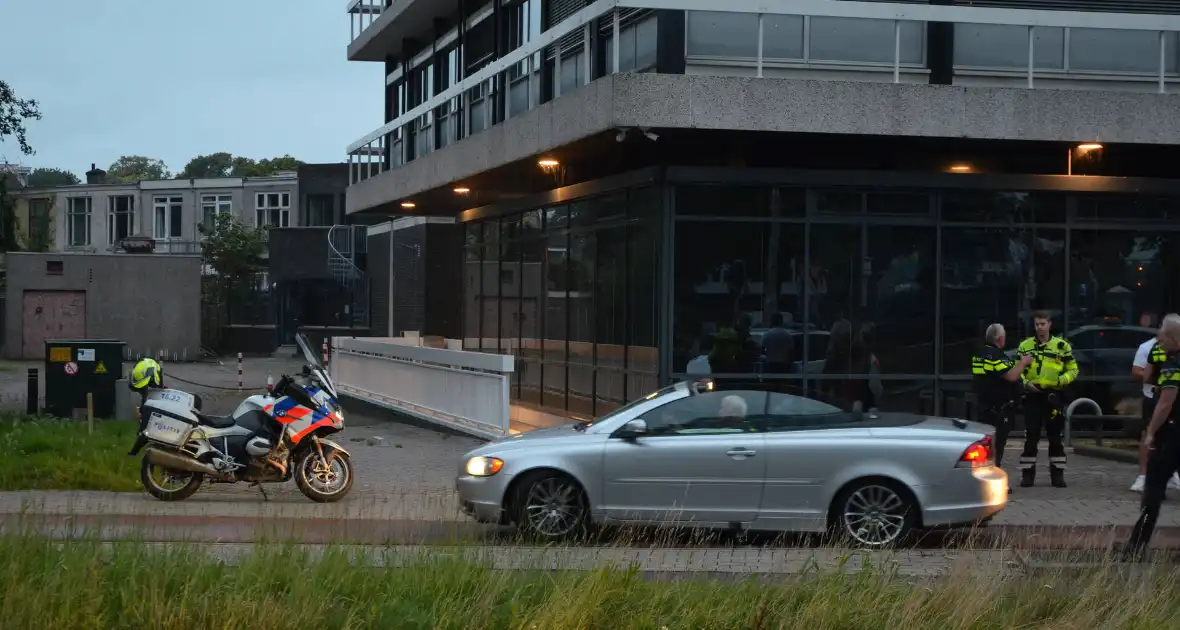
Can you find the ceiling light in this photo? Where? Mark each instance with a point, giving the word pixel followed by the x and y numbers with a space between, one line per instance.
pixel 961 168
pixel 547 163
pixel 1089 146
pixel 408 204
pixel 462 190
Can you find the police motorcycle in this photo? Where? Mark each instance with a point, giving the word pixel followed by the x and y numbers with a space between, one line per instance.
pixel 269 438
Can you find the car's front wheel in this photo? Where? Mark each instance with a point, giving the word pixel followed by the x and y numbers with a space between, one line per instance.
pixel 551 506
pixel 874 513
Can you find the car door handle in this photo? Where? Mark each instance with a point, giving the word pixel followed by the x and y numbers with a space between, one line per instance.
pixel 740 452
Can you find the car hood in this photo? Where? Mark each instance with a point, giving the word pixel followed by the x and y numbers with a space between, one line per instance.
pixel 529 439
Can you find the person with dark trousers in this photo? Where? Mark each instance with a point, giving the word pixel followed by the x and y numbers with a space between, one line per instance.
pixel 1045 378
pixel 996 379
pixel 778 346
pixel 1162 438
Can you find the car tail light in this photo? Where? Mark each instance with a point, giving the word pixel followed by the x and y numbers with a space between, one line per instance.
pixel 978 455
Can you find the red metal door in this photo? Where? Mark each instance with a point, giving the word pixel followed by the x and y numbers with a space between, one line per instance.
pixel 52 315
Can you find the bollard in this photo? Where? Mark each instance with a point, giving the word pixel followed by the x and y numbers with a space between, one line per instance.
pixel 239 371
pixel 327 351
pixel 89 413
pixel 33 395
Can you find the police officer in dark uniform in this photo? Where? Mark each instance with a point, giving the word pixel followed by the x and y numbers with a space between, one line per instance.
pixel 1052 369
pixel 996 378
pixel 1162 437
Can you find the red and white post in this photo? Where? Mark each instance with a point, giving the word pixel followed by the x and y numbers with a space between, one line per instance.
pixel 239 371
pixel 327 352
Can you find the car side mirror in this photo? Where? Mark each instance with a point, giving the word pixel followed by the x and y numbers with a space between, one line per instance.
pixel 634 429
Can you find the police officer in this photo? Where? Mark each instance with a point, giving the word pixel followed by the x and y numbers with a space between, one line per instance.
pixel 996 378
pixel 1045 378
pixel 1162 437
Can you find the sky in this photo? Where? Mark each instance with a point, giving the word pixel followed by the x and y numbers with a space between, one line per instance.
pixel 171 79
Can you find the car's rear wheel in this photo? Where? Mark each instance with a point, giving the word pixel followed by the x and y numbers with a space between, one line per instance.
pixel 874 513
pixel 551 506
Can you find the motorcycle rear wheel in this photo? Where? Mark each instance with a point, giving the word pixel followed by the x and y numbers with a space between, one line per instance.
pixel 184 483
pixel 320 481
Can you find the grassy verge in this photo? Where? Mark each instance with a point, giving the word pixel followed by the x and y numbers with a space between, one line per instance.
pixel 51 454
pixel 75 585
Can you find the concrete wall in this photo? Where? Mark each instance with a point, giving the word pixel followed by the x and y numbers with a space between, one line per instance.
pixel 786 105
pixel 150 301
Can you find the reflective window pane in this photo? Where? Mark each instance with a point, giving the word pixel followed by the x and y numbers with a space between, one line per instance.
pixel 718 34
pixel 735 201
pixel 610 317
pixel 1003 207
pixel 1117 208
pixel 873 292
pixel 782 36
pixel 555 323
pixel 490 289
pixel 472 261
pixel 579 304
pixel 865 40
pixel 997 275
pixel 1109 50
pixel 1005 46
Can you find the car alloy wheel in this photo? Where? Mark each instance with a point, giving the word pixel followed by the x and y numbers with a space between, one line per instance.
pixel 553 507
pixel 875 515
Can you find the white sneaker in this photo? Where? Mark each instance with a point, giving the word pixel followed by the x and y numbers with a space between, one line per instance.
pixel 1140 481
pixel 1174 482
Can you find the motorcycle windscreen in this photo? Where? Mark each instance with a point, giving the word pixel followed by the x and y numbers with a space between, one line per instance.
pixel 317 366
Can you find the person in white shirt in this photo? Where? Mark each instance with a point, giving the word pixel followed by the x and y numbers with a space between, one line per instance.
pixel 1142 371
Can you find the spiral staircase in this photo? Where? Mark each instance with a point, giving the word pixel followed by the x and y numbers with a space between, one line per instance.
pixel 345 244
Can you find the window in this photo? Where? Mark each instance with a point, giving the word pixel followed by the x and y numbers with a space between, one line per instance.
pixel 710 413
pixel 785 412
pixel 168 213
pixel 213 205
pixel 120 218
pixel 1116 51
pixel 78 222
pixel 790 37
pixel 40 238
pixel 320 210
pixel 272 209
pixel 1005 46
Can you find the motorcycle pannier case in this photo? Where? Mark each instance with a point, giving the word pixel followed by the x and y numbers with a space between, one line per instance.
pixel 167 429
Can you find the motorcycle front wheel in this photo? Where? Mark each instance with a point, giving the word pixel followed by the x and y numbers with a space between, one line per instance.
pixel 166 484
pixel 323 481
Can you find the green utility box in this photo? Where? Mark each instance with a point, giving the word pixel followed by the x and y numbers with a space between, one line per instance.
pixel 76 367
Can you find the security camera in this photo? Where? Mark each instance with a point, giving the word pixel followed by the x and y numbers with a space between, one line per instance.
pixel 622 135
pixel 649 134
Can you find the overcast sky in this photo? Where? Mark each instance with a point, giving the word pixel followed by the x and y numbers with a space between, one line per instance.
pixel 172 79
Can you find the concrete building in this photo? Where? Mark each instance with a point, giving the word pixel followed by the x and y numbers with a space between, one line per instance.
pixel 911 170
pixel 98 215
pixel 89 296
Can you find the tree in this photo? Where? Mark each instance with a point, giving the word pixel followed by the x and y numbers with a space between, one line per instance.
pixel 135 168
pixel 14 113
pixel 219 164
pixel 223 164
pixel 234 252
pixel 50 177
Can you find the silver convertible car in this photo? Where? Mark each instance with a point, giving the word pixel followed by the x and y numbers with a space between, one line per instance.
pixel 697 455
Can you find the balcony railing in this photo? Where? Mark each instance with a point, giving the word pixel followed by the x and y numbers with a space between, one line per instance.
pixel 465 104
pixel 362 14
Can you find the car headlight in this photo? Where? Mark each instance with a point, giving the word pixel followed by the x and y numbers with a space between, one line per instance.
pixel 484 466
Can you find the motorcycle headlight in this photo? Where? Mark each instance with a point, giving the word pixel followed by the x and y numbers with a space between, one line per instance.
pixel 484 466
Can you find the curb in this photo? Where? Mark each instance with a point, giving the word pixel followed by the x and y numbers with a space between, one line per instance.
pixel 1109 454
pixel 252 529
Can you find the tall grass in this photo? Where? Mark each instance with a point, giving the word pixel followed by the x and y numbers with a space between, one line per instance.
pixel 44 584
pixel 53 454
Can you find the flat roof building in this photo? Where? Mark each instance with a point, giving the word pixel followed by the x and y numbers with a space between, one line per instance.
pixel 639 182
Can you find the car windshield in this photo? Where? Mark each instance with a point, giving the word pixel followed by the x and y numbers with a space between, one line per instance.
pixel 627 407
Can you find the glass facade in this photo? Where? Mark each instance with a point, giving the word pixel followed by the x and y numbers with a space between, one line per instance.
pixel 571 291
pixel 886 293
pixel 883 291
